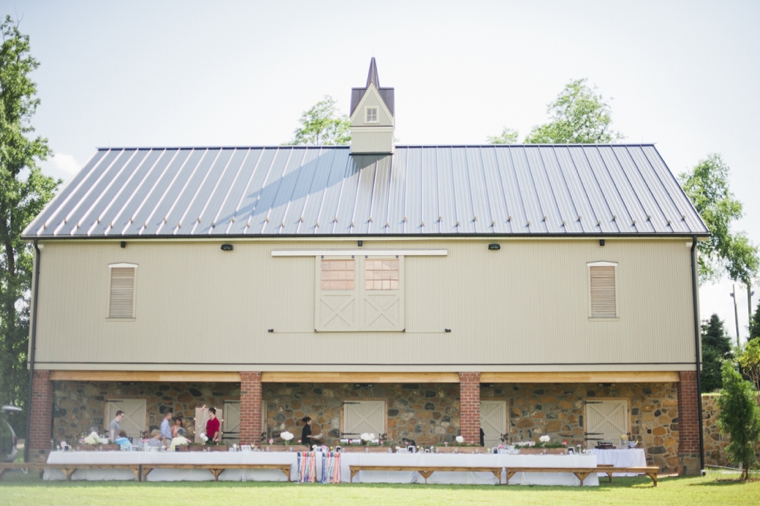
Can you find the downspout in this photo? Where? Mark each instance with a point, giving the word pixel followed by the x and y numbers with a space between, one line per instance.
pixel 695 288
pixel 32 346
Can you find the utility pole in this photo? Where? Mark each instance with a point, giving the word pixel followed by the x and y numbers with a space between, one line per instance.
pixel 736 314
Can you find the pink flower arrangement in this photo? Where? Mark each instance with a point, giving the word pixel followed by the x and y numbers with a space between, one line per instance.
pixel 271 441
pixel 299 442
pixel 564 443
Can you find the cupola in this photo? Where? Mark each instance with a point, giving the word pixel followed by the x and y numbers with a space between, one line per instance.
pixel 372 116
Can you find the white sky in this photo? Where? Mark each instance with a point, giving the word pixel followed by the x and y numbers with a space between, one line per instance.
pixel 682 74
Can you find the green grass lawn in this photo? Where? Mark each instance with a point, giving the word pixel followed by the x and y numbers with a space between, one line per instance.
pixel 715 490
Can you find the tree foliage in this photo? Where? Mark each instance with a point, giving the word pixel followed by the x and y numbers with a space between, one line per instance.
pixel 579 115
pixel 24 190
pixel 507 136
pixel 323 125
pixel 724 252
pixel 739 417
pixel 754 327
pixel 716 347
pixel 749 360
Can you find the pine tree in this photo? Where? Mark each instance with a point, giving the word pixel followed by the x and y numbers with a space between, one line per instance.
pixel 754 325
pixel 739 417
pixel 716 347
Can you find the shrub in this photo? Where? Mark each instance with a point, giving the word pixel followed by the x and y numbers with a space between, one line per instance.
pixel 739 417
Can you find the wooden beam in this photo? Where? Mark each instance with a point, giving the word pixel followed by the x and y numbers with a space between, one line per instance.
pixel 360 377
pixel 153 376
pixel 581 377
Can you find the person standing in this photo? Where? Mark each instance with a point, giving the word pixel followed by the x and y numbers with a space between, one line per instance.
pixel 166 428
pixel 212 427
pixel 115 426
pixel 177 425
pixel 306 436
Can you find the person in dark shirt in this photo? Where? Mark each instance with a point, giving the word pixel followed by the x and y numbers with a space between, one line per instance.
pixel 306 437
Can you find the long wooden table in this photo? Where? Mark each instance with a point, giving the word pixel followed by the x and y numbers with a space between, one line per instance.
pixel 215 469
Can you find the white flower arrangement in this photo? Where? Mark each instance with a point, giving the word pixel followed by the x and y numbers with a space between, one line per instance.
pixel 460 439
pixel 544 439
pixel 204 437
pixel 286 436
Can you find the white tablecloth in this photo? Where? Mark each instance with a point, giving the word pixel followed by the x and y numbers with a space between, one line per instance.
pixel 632 457
pixel 422 459
pixel 347 459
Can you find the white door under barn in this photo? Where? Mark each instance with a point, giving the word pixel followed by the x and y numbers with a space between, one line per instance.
pixel 606 420
pixel 361 417
pixel 231 422
pixel 493 420
pixel 135 419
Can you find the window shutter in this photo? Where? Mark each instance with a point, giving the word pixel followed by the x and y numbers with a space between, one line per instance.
pixel 364 416
pixel 121 302
pixel 603 301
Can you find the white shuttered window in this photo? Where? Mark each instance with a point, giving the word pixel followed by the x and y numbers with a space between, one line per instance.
pixel 602 290
pixel 121 295
pixel 360 294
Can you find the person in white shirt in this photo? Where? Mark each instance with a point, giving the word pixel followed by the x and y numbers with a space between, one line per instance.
pixel 179 439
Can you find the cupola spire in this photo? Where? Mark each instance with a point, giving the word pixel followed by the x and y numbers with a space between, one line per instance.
pixel 372 116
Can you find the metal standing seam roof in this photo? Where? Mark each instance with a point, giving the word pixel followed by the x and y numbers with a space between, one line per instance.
pixel 491 190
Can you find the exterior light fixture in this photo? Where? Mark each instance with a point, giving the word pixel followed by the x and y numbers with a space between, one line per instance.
pixel 494 246
pixel 123 244
pixel 601 242
pixel 227 247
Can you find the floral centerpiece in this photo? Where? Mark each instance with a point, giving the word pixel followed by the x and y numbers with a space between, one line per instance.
pixel 544 445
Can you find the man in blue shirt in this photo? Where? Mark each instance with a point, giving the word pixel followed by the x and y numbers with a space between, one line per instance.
pixel 166 428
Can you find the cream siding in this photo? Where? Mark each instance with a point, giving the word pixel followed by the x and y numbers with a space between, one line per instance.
pixel 522 308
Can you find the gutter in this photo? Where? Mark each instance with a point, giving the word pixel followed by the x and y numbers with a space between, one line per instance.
pixel 697 362
pixel 32 346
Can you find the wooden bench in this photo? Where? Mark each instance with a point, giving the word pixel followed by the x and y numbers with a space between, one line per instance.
pixel 580 472
pixel 609 470
pixel 427 471
pixel 5 467
pixel 68 469
pixel 215 469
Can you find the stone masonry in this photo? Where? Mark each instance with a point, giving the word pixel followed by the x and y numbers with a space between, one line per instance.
pixel 426 413
pixel 715 441
pixel 80 405
pixel 558 410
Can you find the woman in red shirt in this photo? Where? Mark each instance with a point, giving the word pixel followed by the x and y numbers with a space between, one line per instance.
pixel 212 427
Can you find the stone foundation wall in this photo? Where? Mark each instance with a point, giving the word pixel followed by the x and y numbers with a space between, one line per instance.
pixel 558 410
pixel 426 413
pixel 80 405
pixel 715 441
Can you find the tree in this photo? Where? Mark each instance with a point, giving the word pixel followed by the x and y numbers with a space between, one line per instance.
pixel 749 360
pixel 323 125
pixel 507 136
pixel 24 191
pixel 579 115
pixel 716 347
pixel 707 188
pixel 754 326
pixel 739 417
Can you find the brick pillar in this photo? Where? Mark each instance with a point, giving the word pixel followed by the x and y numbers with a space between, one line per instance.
pixel 250 408
pixel 41 417
pixel 469 406
pixel 688 424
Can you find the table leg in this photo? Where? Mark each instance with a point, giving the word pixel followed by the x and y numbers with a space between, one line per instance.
pixel 654 478
pixel 137 472
pixel 426 475
pixel 286 471
pixel 68 472
pixel 509 475
pixel 216 473
pixel 145 472
pixel 581 475
pixel 353 473
pixel 498 475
